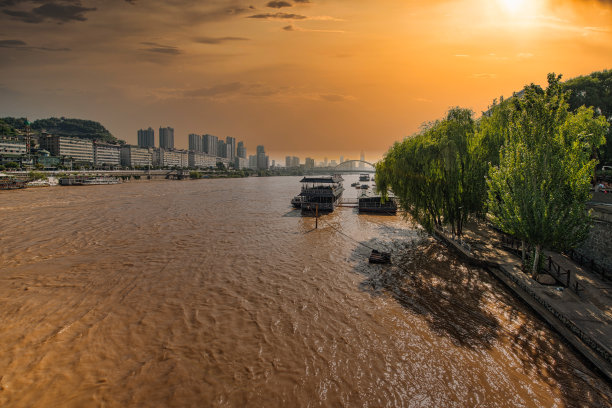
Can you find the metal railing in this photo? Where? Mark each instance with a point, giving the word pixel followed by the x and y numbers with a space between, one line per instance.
pixel 590 264
pixel 562 276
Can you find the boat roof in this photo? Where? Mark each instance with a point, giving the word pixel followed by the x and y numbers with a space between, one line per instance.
pixel 336 178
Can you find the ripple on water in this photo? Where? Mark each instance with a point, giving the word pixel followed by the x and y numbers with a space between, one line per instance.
pixel 210 293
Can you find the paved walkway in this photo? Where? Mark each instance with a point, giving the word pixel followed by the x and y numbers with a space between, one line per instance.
pixel 584 319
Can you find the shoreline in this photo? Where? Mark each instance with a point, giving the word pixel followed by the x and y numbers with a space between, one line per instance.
pixel 563 315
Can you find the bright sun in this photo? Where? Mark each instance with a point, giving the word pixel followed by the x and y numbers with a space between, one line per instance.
pixel 512 6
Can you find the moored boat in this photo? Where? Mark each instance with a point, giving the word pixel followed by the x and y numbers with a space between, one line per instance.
pixel 321 194
pixel 374 204
pixel 87 180
pixel 364 177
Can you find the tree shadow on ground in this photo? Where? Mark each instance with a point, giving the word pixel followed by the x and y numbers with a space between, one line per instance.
pixel 430 282
pixel 472 309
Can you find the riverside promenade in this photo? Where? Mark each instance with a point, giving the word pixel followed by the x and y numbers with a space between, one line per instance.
pixel 581 313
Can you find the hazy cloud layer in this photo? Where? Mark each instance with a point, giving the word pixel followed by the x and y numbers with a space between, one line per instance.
pixel 58 11
pixel 279 16
pixel 218 40
pixel 161 49
pixel 278 4
pixel 22 45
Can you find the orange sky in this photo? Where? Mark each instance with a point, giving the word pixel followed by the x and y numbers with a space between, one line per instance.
pixel 318 77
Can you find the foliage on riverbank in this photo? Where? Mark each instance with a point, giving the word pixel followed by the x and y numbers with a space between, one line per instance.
pixel 86 129
pixel 527 162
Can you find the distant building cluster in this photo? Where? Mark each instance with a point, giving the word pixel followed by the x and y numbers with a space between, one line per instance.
pixel 205 151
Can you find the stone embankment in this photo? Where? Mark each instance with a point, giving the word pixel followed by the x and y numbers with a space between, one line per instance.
pixel 580 311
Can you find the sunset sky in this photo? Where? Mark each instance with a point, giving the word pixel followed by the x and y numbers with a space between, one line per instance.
pixel 318 77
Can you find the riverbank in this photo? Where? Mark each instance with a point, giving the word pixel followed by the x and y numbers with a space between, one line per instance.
pixel 580 312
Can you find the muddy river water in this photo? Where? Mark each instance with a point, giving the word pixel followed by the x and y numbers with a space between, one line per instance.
pixel 215 293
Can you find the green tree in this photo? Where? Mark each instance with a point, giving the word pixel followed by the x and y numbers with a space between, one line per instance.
pixel 539 190
pixel 437 175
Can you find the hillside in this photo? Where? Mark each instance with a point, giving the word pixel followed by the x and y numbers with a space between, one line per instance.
pixel 86 129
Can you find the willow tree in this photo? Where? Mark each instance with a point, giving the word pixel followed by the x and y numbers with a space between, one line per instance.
pixel 539 190
pixel 435 174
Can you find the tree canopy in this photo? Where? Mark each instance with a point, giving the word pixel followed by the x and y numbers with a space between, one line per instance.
pixel 436 174
pixel 539 189
pixel 86 129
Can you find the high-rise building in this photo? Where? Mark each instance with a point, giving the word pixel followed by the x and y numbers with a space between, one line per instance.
pixel 241 150
pixel 231 148
pixel 309 163
pixel 287 161
pixel 221 149
pixel 166 138
pixel 195 143
pixel 341 159
pixel 295 161
pixel 146 137
pixel 262 159
pixel 209 143
pixel 253 162
pixel 362 158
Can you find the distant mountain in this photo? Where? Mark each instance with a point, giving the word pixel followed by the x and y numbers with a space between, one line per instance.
pixel 86 129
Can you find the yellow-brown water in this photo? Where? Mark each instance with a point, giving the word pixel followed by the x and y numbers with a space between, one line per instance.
pixel 214 293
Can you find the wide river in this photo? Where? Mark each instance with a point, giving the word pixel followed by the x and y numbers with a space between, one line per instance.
pixel 215 293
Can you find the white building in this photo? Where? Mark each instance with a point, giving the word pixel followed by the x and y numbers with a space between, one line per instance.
pixel 69 147
pixel 12 147
pixel 170 158
pixel 132 156
pixel 201 160
pixel 109 155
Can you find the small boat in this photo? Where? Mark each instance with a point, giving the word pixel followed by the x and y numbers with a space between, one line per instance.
pixel 355 184
pixel 378 257
pixel 364 187
pixel 296 201
pixel 364 177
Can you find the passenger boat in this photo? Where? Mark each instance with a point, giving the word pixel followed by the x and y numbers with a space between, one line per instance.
pixel 355 184
pixel 11 184
pixel 87 181
pixel 364 177
pixel 373 204
pixel 322 193
pixel 364 187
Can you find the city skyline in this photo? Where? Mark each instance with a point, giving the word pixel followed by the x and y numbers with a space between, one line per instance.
pixel 308 77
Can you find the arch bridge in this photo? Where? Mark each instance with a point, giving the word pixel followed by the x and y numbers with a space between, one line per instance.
pixel 347 167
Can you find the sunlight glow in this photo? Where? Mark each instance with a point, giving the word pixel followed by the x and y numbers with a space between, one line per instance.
pixel 512 6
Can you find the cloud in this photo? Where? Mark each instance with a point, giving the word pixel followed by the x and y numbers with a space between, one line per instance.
pixel 215 90
pixel 278 4
pixel 62 12
pixel 334 97
pixel 292 27
pixel 218 40
pixel 217 14
pixel 280 16
pixel 22 45
pixel 161 49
